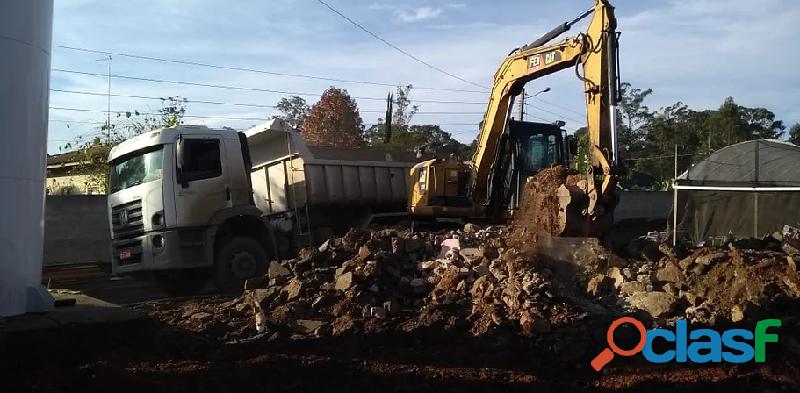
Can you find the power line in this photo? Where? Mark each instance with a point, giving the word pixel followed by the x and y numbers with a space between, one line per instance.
pixel 557 106
pixel 228 87
pixel 98 94
pixel 395 47
pixel 151 113
pixel 554 113
pixel 259 71
pixel 162 98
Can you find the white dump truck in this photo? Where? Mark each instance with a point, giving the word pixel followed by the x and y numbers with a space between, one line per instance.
pixel 191 203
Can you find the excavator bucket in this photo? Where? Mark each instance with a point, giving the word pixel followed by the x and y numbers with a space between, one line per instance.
pixel 560 202
pixel 574 203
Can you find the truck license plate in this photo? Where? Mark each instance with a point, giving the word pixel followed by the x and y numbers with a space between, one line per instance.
pixel 125 253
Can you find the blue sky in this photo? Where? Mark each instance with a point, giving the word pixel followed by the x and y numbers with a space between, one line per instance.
pixel 697 52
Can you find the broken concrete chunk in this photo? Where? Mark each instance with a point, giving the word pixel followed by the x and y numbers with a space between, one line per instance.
pixel 306 326
pixel 600 285
pixel 670 273
pixel 471 228
pixel 615 274
pixel 471 254
pixel 737 313
pixel 378 312
pixel 277 270
pixel 199 316
pixel 657 304
pixel 449 245
pixel 344 281
pixel 293 288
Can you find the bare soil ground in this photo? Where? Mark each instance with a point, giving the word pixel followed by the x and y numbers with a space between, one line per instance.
pixel 401 311
pixel 173 353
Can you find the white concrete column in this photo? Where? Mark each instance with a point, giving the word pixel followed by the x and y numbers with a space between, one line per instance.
pixel 26 30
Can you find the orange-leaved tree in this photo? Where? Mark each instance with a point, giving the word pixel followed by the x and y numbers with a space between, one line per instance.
pixel 334 121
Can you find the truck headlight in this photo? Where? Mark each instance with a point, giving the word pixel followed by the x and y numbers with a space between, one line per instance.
pixel 158 219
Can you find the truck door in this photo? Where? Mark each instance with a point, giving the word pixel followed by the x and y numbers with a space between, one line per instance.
pixel 204 176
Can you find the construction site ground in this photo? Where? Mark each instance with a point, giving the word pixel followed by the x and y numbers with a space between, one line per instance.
pixel 395 310
pixel 160 354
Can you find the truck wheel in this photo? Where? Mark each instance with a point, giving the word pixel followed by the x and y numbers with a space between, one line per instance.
pixel 183 282
pixel 239 258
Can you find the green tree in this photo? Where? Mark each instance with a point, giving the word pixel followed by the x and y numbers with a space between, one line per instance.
pixel 412 138
pixel 794 134
pixel 334 121
pixel 293 111
pixel 91 152
pixel 675 125
pixel 634 119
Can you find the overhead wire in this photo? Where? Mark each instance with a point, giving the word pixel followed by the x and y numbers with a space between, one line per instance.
pixel 229 87
pixel 261 71
pixel 395 47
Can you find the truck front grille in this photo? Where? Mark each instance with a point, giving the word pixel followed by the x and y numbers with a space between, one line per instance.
pixel 126 220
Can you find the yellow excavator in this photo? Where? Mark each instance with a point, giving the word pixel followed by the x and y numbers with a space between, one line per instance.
pixel 509 151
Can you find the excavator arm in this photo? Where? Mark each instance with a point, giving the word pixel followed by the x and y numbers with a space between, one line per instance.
pixel 595 54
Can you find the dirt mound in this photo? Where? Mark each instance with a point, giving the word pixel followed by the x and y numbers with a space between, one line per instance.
pixel 539 207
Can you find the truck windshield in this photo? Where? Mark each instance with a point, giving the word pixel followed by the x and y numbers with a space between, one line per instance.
pixel 132 170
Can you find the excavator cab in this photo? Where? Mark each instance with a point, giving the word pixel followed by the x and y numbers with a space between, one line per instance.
pixel 526 149
pixel 440 187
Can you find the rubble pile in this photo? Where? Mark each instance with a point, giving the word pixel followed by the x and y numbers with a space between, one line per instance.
pixel 749 279
pixel 390 278
pixel 471 279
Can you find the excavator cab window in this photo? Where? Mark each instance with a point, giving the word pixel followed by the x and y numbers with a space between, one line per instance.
pixel 541 152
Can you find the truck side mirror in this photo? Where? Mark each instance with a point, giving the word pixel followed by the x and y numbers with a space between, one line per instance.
pixel 572 145
pixel 179 157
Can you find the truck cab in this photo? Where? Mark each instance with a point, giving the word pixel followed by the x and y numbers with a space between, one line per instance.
pixel 180 205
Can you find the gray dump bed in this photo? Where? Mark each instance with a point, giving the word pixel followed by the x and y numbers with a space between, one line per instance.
pixel 288 174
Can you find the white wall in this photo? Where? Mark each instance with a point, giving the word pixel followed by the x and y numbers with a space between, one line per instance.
pixel 26 29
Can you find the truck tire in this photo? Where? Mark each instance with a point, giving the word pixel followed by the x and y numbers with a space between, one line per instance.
pixel 238 259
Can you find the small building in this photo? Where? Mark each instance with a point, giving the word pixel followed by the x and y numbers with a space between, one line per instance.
pixel 750 189
pixel 70 174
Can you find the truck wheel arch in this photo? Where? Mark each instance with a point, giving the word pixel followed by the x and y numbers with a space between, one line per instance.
pixel 238 221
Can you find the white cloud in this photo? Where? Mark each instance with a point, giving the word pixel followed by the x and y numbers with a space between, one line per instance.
pixel 418 14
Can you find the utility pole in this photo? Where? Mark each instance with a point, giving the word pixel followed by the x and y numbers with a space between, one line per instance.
pixel 108 100
pixel 522 105
pixel 387 133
